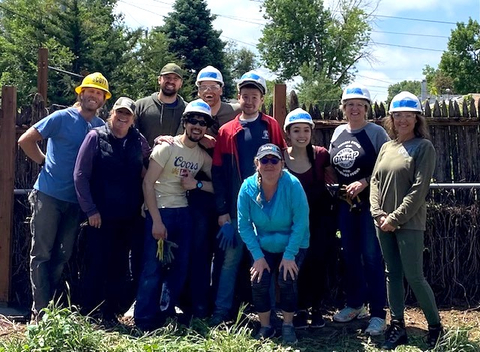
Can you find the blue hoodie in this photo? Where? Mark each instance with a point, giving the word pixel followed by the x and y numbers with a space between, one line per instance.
pixel 281 226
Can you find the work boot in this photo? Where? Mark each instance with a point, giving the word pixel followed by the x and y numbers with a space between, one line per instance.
pixel 395 335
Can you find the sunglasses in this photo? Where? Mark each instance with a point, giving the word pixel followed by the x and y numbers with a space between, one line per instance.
pixel 193 121
pixel 273 161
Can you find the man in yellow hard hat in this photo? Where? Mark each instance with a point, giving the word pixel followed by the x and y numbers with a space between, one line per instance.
pixel 56 214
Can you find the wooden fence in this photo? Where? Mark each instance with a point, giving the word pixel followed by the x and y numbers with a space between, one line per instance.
pixel 452 261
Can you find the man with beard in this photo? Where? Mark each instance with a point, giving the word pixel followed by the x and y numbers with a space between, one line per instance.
pixel 171 173
pixel 199 294
pixel 56 214
pixel 160 113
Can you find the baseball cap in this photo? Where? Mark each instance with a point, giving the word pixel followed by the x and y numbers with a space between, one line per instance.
pixel 269 149
pixel 126 103
pixel 172 68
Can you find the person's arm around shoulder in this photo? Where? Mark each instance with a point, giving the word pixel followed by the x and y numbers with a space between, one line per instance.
pixel 28 141
pixel 82 175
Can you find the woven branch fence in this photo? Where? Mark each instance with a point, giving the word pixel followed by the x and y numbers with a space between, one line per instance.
pixel 452 239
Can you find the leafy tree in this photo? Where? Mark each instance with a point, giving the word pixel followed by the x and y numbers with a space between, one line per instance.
pixel 303 32
pixel 193 40
pixel 461 61
pixel 82 36
pixel 317 89
pixel 437 81
pixel 237 62
pixel 414 87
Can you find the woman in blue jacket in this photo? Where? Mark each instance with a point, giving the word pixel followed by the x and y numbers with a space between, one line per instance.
pixel 273 223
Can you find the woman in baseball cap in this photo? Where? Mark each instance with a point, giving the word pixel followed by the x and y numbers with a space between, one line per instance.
pixel 108 180
pixel 273 223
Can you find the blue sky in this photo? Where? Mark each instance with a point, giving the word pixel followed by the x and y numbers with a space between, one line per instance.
pixel 401 29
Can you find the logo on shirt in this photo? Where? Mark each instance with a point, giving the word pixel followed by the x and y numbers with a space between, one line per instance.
pixel 265 135
pixel 345 158
pixel 181 163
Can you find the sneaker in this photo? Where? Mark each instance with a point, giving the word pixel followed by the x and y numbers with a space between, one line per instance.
pixel 265 332
pixel 395 335
pixel 348 314
pixel 300 319
pixel 288 334
pixel 435 333
pixel 376 327
pixel 317 320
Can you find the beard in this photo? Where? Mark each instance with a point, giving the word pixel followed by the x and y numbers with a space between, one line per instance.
pixel 169 92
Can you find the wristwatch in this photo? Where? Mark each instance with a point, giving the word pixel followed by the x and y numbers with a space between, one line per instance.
pixel 199 185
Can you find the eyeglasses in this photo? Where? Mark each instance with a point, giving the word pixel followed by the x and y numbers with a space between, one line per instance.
pixel 193 121
pixel 212 87
pixel 273 161
pixel 401 115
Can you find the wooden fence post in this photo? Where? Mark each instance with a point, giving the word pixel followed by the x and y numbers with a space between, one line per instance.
pixel 7 179
pixel 280 103
pixel 42 74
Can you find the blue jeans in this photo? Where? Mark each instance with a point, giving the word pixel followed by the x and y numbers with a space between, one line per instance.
pixel 228 275
pixel 55 225
pixel 154 273
pixel 364 279
pixel 261 291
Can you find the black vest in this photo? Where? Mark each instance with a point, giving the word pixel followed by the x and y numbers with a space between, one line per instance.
pixel 116 182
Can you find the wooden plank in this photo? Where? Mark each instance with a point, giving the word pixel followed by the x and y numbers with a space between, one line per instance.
pixel 7 177
pixel 280 103
pixel 42 76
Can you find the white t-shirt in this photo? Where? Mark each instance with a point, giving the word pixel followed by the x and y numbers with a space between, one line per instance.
pixel 177 160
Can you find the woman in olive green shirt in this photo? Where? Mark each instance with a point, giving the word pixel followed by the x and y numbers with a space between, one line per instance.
pixel 399 184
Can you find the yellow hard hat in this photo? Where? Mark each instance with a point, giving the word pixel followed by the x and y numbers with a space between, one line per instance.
pixel 95 80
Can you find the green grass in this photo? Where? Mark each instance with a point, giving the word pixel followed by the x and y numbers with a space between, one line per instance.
pixel 63 329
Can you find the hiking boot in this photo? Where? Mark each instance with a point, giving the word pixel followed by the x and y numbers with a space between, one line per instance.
pixel 395 335
pixel 317 320
pixel 288 334
pixel 265 332
pixel 348 314
pixel 300 320
pixel 376 327
pixel 435 333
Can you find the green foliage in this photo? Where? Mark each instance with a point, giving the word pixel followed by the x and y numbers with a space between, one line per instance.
pixel 81 36
pixel 237 62
pixel 437 80
pixel 317 89
pixel 60 329
pixel 461 61
pixel 414 87
pixel 303 32
pixel 192 38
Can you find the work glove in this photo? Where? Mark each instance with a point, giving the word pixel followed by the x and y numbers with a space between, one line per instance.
pixel 164 251
pixel 226 235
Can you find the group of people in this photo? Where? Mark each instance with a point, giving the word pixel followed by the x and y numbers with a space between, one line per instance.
pixel 177 196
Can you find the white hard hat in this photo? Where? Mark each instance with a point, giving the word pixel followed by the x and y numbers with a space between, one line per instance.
pixel 251 77
pixel 199 107
pixel 405 101
pixel 298 116
pixel 356 91
pixel 209 73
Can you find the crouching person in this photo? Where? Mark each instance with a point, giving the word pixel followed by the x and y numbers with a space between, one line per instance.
pixel 170 174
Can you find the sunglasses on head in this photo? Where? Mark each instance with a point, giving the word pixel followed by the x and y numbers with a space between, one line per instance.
pixel 194 121
pixel 273 161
